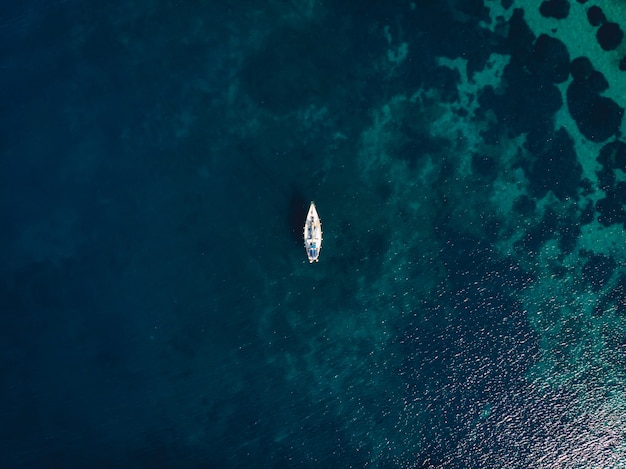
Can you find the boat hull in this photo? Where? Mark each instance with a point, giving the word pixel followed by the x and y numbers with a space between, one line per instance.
pixel 313 234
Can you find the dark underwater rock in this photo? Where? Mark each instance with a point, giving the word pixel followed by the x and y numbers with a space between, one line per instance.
pixel 580 68
pixel 597 117
pixel 598 270
pixel 622 64
pixel 582 71
pixel 609 36
pixel 557 168
pixel 595 15
pixel 520 37
pixel 596 82
pixel 527 100
pixel 606 178
pixel 610 209
pixel 613 155
pixel 549 59
pixel 558 9
pixel 603 118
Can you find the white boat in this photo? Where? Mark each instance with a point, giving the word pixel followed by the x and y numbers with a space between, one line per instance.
pixel 313 234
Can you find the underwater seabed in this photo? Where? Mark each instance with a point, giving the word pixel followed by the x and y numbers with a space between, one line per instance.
pixel 430 360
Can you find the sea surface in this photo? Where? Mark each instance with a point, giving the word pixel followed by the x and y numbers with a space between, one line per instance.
pixel 467 159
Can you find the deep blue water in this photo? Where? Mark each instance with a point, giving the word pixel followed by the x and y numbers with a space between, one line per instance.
pixel 157 308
